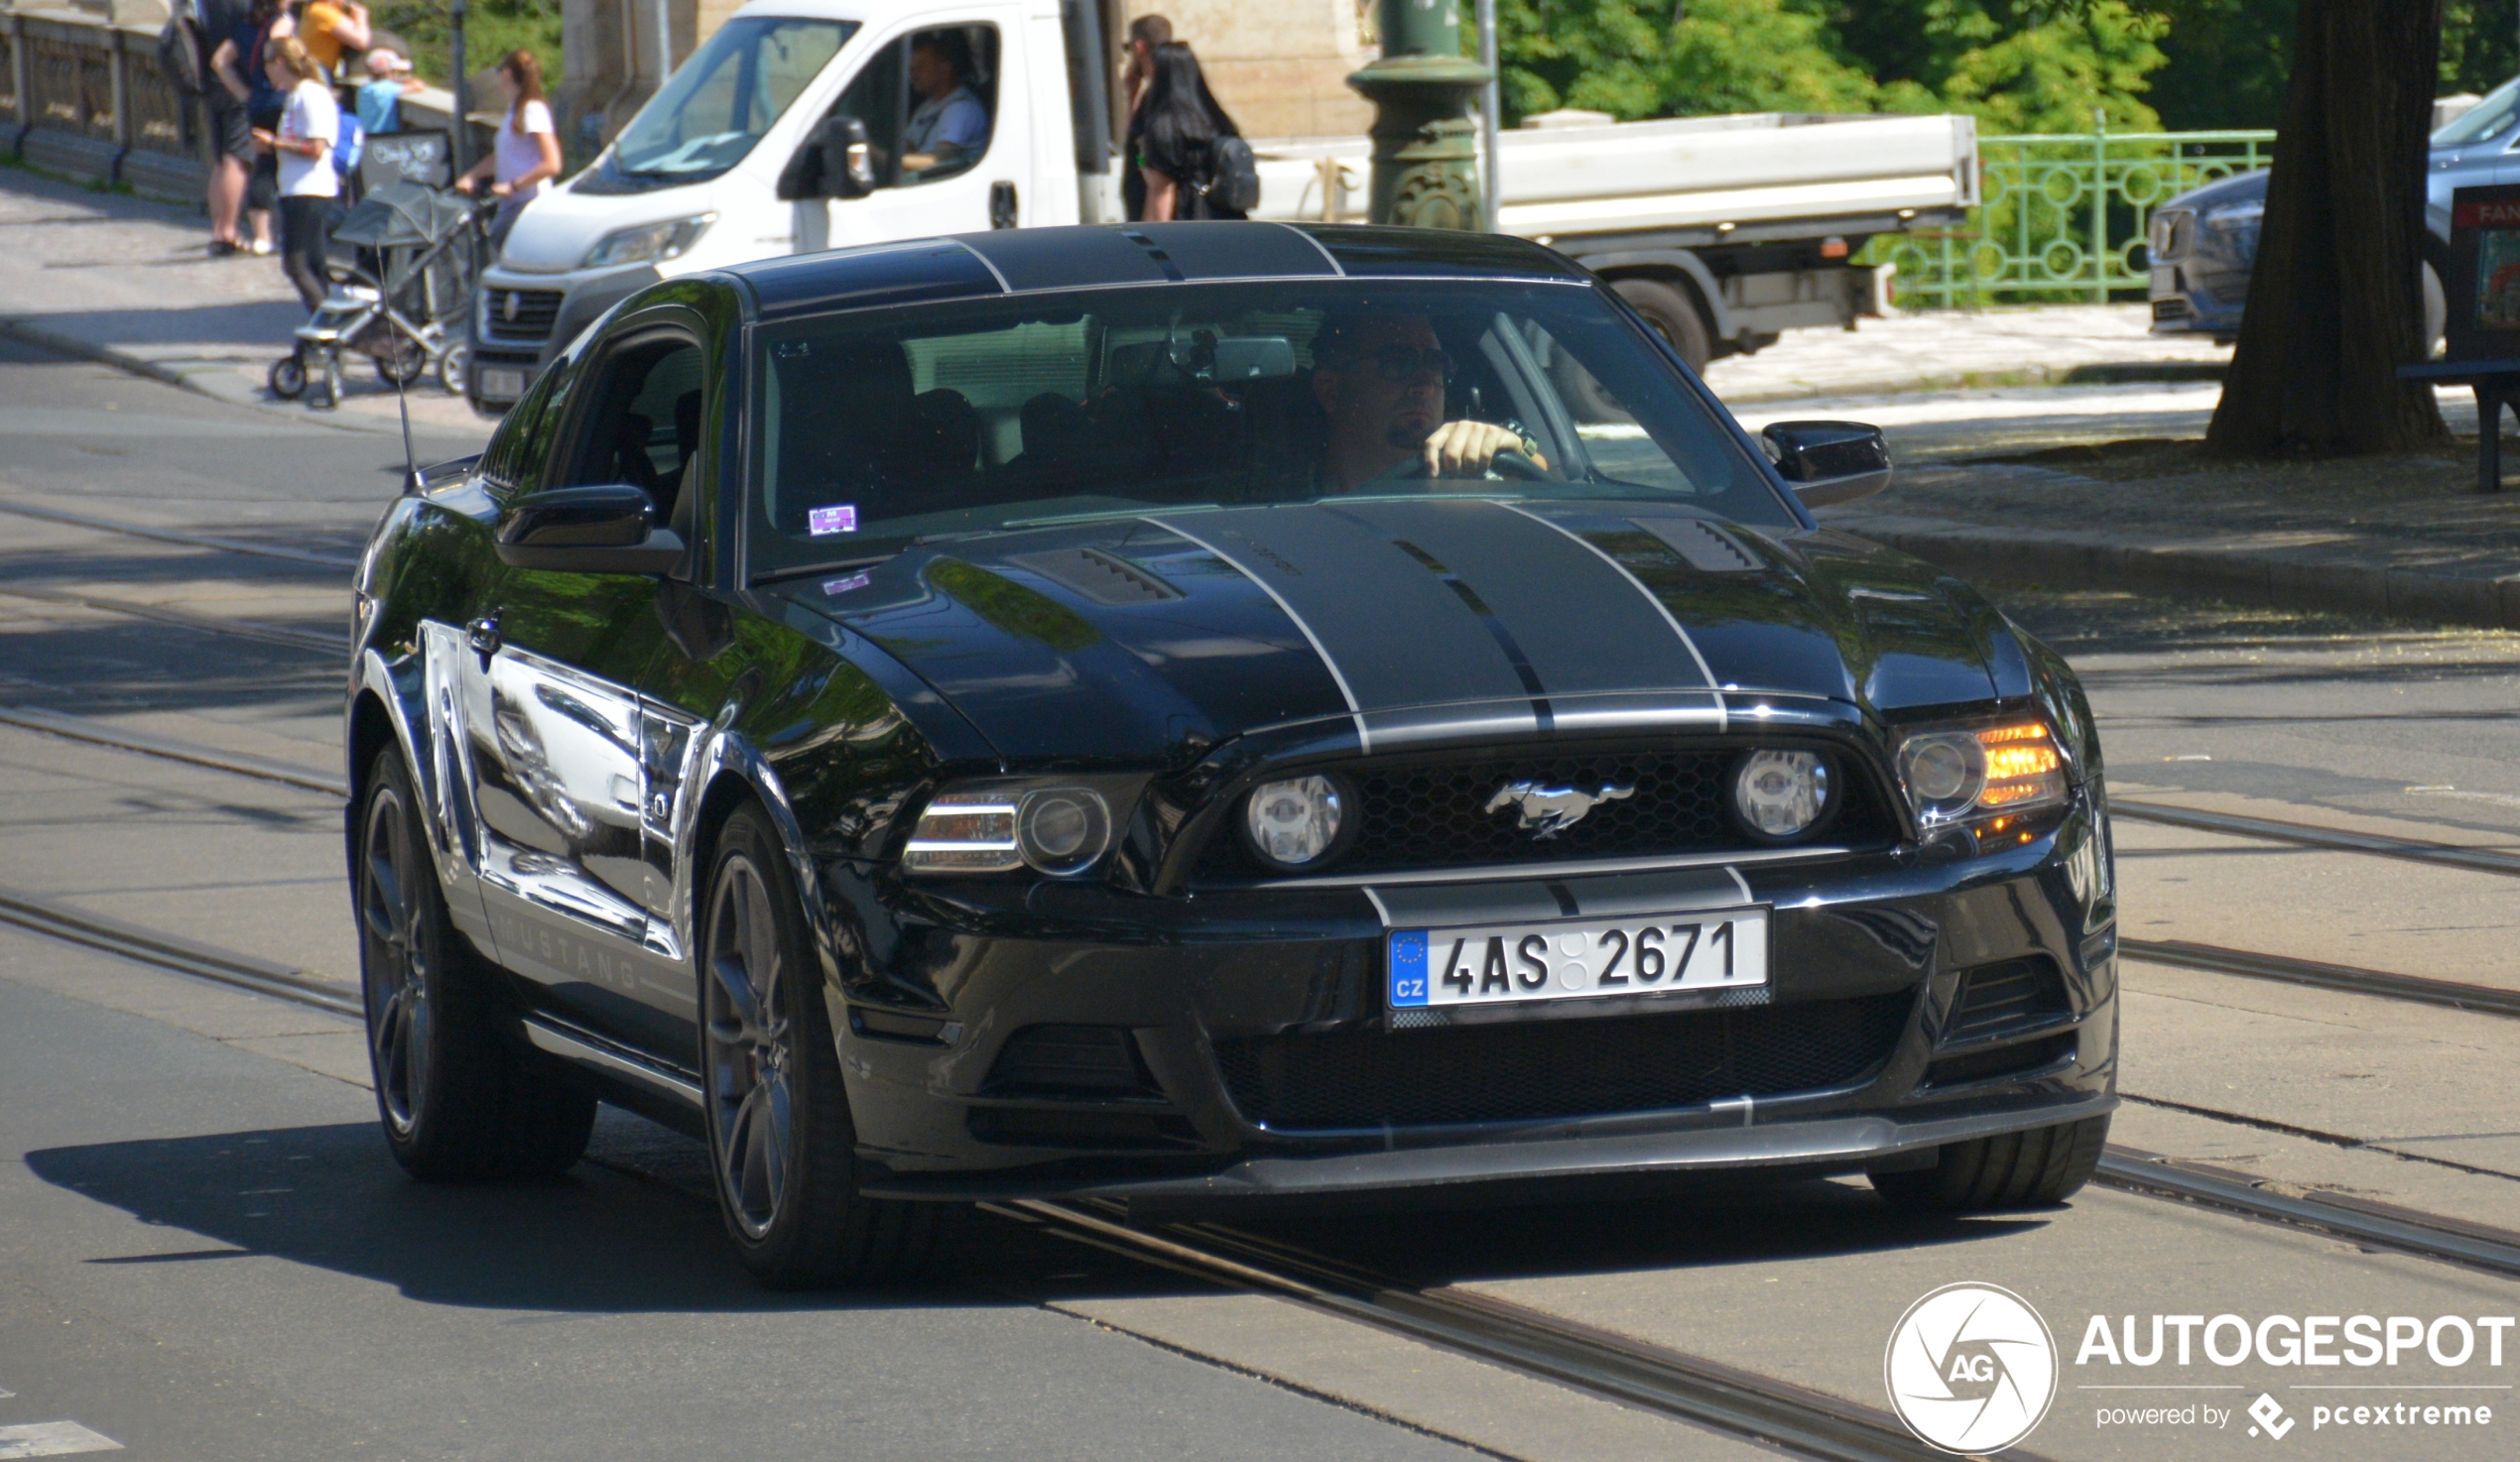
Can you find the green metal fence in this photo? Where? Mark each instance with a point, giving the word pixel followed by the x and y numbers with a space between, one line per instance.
pixel 2062 216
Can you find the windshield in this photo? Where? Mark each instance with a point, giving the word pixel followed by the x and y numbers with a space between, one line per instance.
pixel 713 110
pixel 2485 119
pixel 879 431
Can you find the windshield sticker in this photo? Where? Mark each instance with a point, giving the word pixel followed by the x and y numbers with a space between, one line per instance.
pixel 844 585
pixel 823 522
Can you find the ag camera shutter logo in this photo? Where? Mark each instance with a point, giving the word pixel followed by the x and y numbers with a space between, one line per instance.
pixel 1972 1368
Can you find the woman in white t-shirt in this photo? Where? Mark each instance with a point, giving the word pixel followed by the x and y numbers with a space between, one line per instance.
pixel 527 156
pixel 309 124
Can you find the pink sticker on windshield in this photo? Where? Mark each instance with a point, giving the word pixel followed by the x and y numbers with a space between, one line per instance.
pixel 823 521
pixel 844 585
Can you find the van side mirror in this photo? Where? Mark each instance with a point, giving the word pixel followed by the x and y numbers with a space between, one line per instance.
pixel 836 162
pixel 1828 462
pixel 610 529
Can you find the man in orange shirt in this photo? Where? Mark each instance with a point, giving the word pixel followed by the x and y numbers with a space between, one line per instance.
pixel 332 27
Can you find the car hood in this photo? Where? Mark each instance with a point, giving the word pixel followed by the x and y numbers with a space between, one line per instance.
pixel 1150 637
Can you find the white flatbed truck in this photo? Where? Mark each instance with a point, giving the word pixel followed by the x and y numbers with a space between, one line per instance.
pixel 782 135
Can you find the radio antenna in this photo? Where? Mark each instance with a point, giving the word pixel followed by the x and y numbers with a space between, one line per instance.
pixel 410 463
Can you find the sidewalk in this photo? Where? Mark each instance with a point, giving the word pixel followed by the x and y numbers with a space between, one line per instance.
pixel 115 278
pixel 2015 345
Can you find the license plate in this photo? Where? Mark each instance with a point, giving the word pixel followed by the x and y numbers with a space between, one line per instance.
pixel 1512 964
pixel 502 385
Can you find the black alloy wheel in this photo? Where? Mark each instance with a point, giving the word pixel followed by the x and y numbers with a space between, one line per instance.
pixel 780 1138
pixel 458 1098
pixel 2016 1170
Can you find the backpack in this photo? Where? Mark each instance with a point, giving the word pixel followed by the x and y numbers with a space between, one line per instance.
pixel 1232 189
pixel 179 53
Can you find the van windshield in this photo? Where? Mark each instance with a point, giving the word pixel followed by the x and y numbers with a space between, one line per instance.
pixel 879 428
pixel 713 109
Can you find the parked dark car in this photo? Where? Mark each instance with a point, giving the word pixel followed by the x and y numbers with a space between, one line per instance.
pixel 2202 243
pixel 1013 715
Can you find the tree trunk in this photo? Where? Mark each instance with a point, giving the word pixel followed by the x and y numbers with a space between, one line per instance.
pixel 2336 299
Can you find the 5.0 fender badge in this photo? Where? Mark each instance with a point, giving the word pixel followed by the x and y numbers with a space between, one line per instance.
pixel 1546 812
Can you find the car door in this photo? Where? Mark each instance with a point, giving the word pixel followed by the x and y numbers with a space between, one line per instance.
pixel 986 187
pixel 561 754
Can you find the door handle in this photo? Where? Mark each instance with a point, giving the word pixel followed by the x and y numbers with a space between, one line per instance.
pixel 483 636
pixel 1001 205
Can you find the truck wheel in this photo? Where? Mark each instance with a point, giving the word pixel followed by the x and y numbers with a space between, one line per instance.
pixel 2017 1169
pixel 780 1138
pixel 1671 315
pixel 458 1100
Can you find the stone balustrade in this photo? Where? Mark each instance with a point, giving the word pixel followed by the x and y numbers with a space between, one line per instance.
pixel 82 93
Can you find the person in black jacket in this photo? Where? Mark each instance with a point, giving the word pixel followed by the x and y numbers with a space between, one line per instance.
pixel 1177 133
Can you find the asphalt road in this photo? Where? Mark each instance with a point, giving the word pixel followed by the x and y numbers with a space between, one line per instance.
pixel 206 1254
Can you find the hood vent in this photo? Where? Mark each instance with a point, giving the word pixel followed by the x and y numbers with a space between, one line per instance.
pixel 1097 575
pixel 1709 549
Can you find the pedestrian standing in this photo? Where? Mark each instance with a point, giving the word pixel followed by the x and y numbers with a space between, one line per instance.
pixel 380 102
pixel 232 135
pixel 241 72
pixel 527 153
pixel 310 126
pixel 332 29
pixel 1145 34
pixel 1179 129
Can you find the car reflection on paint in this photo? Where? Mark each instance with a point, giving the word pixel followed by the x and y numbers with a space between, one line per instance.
pixel 1010 717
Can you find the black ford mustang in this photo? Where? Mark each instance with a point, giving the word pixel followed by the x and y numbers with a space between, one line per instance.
pixel 1194 711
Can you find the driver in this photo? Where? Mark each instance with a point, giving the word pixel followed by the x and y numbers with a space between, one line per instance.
pixel 950 124
pixel 1380 379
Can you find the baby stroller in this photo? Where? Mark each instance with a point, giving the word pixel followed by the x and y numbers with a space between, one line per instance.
pixel 403 305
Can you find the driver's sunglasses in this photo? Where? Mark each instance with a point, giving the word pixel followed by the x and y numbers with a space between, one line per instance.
pixel 1401 364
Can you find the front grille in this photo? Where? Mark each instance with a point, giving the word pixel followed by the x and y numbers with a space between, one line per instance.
pixel 1556 1069
pixel 2003 1061
pixel 520 314
pixel 2014 995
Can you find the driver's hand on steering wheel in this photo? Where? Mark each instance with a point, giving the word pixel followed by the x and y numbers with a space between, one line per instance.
pixel 1467 448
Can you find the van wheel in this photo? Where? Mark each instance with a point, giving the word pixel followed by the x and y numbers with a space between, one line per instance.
pixel 457 1099
pixel 1673 315
pixel 2017 1169
pixel 780 1138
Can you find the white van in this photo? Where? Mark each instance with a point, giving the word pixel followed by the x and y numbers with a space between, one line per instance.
pixel 746 152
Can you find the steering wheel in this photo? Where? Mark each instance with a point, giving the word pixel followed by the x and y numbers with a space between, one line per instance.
pixel 1521 468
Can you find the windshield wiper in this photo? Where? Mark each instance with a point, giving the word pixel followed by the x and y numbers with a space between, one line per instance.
pixel 808 570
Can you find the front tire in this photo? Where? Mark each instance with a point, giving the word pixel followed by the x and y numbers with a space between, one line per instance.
pixel 2037 1168
pixel 780 1138
pixel 458 1100
pixel 287 378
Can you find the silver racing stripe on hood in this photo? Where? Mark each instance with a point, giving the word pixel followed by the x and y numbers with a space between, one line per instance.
pixel 1441 613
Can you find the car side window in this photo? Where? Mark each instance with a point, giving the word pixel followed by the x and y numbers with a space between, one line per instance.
pixel 518 452
pixel 930 103
pixel 643 425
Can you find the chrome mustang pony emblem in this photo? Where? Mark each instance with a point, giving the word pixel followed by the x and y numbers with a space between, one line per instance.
pixel 1547 811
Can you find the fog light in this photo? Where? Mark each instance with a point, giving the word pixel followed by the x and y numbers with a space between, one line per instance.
pixel 1296 822
pixel 1062 832
pixel 1781 794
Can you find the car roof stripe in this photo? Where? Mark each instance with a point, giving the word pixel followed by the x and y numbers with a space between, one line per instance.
pixel 1331 259
pixel 1724 713
pixel 1356 712
pixel 987 264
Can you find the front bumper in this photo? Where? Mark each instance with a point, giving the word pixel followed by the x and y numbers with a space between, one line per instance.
pixel 945 978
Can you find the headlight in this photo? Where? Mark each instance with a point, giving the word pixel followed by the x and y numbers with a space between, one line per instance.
pixel 1781 794
pixel 648 242
pixel 1056 830
pixel 1952 774
pixel 1294 823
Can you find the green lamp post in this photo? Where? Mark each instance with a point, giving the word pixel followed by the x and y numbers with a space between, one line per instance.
pixel 1426 145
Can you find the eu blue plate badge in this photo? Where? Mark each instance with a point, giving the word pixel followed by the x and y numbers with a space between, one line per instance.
pixel 1407 959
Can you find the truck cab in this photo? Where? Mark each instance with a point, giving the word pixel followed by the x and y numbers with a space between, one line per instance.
pixel 799 126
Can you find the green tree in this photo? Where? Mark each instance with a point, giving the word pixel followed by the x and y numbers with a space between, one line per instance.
pixel 2481 45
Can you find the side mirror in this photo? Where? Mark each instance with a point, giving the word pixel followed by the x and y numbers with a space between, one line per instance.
pixel 848 158
pixel 609 529
pixel 1829 462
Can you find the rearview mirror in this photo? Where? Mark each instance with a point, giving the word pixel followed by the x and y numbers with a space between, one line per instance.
pixel 1828 462
pixel 610 529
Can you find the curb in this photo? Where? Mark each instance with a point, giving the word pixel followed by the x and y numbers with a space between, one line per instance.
pixel 2089 560
pixel 218 382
